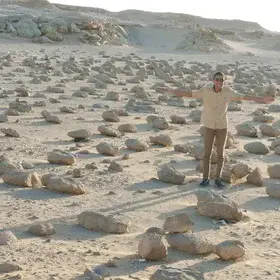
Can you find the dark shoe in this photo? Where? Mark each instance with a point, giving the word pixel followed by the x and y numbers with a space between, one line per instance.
pixel 204 183
pixel 219 184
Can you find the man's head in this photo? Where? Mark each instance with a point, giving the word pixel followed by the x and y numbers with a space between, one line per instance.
pixel 218 80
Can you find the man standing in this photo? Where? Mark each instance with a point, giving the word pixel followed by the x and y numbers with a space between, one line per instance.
pixel 214 117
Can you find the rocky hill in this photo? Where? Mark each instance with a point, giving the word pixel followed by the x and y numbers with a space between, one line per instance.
pixel 44 22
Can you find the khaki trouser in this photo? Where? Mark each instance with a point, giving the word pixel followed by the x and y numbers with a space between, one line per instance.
pixel 209 136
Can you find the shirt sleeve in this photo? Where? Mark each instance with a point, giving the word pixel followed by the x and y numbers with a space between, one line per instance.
pixel 232 94
pixel 198 93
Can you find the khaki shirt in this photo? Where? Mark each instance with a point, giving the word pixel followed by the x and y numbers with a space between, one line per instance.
pixel 215 105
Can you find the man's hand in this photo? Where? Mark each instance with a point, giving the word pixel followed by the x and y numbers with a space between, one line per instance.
pixel 268 99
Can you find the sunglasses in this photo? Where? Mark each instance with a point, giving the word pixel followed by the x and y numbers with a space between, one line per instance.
pixel 219 79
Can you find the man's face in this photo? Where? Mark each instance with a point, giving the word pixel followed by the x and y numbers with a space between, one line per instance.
pixel 219 81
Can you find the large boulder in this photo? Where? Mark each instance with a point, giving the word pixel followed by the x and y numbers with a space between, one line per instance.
pixel 102 223
pixel 257 148
pixel 168 174
pixel 246 129
pixel 152 247
pixel 230 250
pixel 190 243
pixel 27 28
pixel 22 179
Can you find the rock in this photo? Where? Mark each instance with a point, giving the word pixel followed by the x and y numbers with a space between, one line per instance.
pixel 6 165
pixel 156 230
pixel 102 223
pixel 171 273
pixel 12 112
pixel 42 229
pixel 273 190
pixel 136 145
pixel 3 118
pixel 20 107
pixel 129 128
pixel 277 150
pixel 220 211
pixel 177 119
pixel 255 178
pixel 62 185
pixel 10 132
pixel 169 175
pixel 79 134
pixel 179 223
pixel 152 247
pixel 257 148
pixel 108 130
pixel 274 171
pixel 66 109
pixel 183 148
pixel 246 129
pixel 240 170
pixel 267 130
pixel 190 243
pixel 264 119
pixel 110 116
pixel 112 96
pixel 195 115
pixel 7 238
pixel 212 196
pixel 22 179
pixel 275 144
pixel 161 139
pixel 27 165
pixel 107 149
pixel 50 118
pixel 274 108
pixel 27 28
pixel 61 157
pixel 9 268
pixel 115 166
pixel 230 250
pixel 160 123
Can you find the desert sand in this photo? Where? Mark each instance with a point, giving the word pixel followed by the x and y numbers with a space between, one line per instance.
pixel 51 89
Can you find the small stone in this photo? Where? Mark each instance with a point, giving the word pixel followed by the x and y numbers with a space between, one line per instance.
pixel 255 177
pixel 161 139
pixel 230 250
pixel 115 166
pixel 107 149
pixel 179 223
pixel 169 175
pixel 44 229
pixel 7 238
pixel 10 132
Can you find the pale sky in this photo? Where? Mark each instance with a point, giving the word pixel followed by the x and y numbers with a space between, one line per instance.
pixel 265 12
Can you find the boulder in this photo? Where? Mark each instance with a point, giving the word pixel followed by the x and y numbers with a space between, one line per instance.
pixel 168 174
pixel 27 28
pixel 136 145
pixel 79 134
pixel 129 128
pixel 179 223
pixel 110 116
pixel 9 268
pixel 274 171
pixel 240 170
pixel 255 178
pixel 191 243
pixel 273 190
pixel 107 149
pixel 41 229
pixel 171 273
pixel 220 211
pixel 152 247
pixel 230 250
pixel 7 238
pixel 10 132
pixel 246 129
pixel 22 179
pixel 102 223
pixel 108 130
pixel 61 157
pixel 161 139
pixel 257 148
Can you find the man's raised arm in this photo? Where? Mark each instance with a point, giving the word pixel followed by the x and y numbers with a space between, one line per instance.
pixel 176 92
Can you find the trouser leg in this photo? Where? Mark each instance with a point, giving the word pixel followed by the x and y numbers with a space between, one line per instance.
pixel 209 135
pixel 221 137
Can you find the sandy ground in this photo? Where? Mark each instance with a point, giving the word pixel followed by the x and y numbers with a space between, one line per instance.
pixel 138 196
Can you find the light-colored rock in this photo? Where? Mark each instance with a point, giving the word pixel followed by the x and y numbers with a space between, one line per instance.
pixel 3 118
pixel 112 96
pixel 107 149
pixel 230 250
pixel 177 119
pixel 159 123
pixel 257 148
pixel 129 128
pixel 62 185
pixel 41 229
pixel 273 190
pixel 22 179
pixel 274 171
pixel 255 177
pixel 7 238
pixel 115 166
pixel 79 134
pixel 110 116
pixel 152 247
pixel 10 132
pixel 162 139
pixel 136 145
pixel 183 148
pixel 108 130
pixel 6 165
pixel 190 243
pixel 221 211
pixel 267 130
pixel 171 273
pixel 61 157
pixel 168 174
pixel 102 223
pixel 246 129
pixel 240 170
pixel 178 223
pixel 8 267
pixel 212 196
